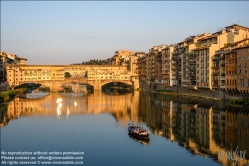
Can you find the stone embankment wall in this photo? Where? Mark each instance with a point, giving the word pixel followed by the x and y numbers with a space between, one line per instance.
pixel 4 87
pixel 219 94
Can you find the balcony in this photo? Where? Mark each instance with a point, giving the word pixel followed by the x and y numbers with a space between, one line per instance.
pixel 175 58
pixel 223 74
pixel 215 59
pixel 215 67
pixel 215 85
pixel 173 77
pixel 191 56
pixel 191 61
pixel 192 67
pixel 175 53
pixel 215 74
pixel 192 78
pixel 191 73
pixel 218 52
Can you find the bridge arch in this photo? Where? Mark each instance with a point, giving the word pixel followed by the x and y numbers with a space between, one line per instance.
pixel 127 83
pixel 82 75
pixel 74 75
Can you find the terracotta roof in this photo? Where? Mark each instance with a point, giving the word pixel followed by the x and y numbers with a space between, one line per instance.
pixel 21 58
pixel 241 40
pixel 207 37
pixel 245 46
pixel 180 43
pixel 236 25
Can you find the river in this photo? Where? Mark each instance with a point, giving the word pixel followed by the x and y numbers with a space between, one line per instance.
pixel 184 131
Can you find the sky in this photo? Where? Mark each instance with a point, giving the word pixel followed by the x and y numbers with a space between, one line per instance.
pixel 64 32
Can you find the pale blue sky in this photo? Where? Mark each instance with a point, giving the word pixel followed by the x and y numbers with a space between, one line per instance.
pixel 63 32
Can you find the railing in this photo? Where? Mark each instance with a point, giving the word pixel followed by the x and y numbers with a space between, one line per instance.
pixel 215 67
pixel 192 78
pixel 191 73
pixel 215 74
pixel 191 56
pixel 190 61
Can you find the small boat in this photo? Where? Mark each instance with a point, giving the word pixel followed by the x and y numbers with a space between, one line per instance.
pixel 138 131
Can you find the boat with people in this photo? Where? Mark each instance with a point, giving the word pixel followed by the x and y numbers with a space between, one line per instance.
pixel 138 131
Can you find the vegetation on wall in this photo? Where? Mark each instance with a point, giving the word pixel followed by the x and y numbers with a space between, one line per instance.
pixel 239 101
pixel 7 95
pixel 28 86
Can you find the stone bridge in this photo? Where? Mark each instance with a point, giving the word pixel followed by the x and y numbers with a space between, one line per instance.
pixel 97 84
pixel 55 76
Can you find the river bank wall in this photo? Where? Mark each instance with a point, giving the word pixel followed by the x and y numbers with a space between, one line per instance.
pixel 217 94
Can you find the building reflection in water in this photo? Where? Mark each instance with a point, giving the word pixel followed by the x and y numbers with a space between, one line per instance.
pixel 140 140
pixel 203 127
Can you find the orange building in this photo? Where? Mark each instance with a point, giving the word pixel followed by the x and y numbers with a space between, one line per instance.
pixel 242 67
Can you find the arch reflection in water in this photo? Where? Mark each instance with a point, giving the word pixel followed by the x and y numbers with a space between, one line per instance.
pixel 143 141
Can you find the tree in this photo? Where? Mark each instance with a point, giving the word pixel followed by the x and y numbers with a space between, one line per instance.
pixel 67 75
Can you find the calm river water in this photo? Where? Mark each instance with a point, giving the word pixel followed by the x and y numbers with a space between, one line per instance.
pixel 184 131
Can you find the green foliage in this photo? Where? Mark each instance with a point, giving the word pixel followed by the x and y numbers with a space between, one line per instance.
pixel 21 90
pixel 94 62
pixel 227 45
pixel 67 75
pixel 239 101
pixel 28 86
pixel 7 95
pixel 166 92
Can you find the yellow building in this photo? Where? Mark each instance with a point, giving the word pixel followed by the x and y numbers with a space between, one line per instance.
pixel 150 61
pixel 8 58
pixel 142 67
pixel 242 67
pixel 206 48
pixel 121 57
pixel 167 77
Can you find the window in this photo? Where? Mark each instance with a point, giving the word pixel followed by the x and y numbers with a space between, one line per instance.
pixel 242 82
pixel 242 122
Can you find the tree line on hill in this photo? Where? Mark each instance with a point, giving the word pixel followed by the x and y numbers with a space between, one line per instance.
pixel 92 62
